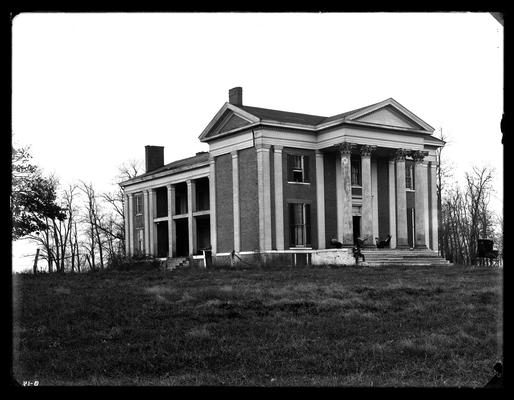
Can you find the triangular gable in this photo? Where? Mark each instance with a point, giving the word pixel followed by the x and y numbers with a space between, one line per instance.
pixel 389 113
pixel 228 118
pixel 388 116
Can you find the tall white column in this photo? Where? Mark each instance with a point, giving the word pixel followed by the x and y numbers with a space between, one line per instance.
pixel 392 205
pixel 434 223
pixel 172 241
pixel 339 202
pixel 367 203
pixel 346 194
pixel 264 186
pixel 191 207
pixel 147 222
pixel 212 204
pixel 374 196
pixel 279 197
pixel 320 199
pixel 420 198
pixel 235 201
pixel 153 227
pixel 130 223
pixel 401 201
pixel 126 218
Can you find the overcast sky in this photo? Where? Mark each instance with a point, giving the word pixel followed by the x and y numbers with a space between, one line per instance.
pixel 90 90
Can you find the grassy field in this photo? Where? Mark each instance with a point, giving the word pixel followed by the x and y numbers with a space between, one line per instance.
pixel 388 326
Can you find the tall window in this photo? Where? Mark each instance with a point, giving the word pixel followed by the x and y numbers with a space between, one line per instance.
pixel 297 168
pixel 299 223
pixel 139 204
pixel 356 172
pixel 140 237
pixel 409 175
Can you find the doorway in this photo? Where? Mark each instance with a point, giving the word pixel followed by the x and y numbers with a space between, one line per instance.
pixel 162 239
pixel 356 227
pixel 411 236
pixel 182 233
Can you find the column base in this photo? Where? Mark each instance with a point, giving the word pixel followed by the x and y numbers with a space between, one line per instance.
pixel 421 247
pixel 402 247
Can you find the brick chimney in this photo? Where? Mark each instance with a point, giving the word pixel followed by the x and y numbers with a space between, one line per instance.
pixel 154 157
pixel 235 96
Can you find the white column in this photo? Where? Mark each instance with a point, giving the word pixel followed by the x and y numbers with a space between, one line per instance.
pixel 191 206
pixel 374 196
pixel 235 201
pixel 427 195
pixel 339 203
pixel 435 217
pixel 367 203
pixel 420 198
pixel 320 199
pixel 147 222
pixel 264 187
pixel 126 218
pixel 212 203
pixel 346 192
pixel 279 197
pixel 130 220
pixel 401 201
pixel 172 241
pixel 392 205
pixel 152 210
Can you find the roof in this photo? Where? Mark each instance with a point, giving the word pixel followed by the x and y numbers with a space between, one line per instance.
pixel 175 166
pixel 283 116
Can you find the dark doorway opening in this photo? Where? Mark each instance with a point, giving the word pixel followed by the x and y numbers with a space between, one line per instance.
pixel 182 233
pixel 356 227
pixel 203 232
pixel 162 239
pixel 411 213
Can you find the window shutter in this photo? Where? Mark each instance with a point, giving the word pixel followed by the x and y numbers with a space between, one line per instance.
pixel 290 164
pixel 306 177
pixel 307 224
pixel 291 224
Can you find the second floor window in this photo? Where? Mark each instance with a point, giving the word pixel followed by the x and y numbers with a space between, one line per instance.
pixel 139 204
pixel 297 168
pixel 409 175
pixel 356 172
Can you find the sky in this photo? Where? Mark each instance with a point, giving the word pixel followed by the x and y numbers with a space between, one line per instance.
pixel 90 90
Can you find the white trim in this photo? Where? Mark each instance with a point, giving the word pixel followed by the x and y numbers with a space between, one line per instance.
pixel 202 172
pixel 279 197
pixel 235 201
pixel 320 199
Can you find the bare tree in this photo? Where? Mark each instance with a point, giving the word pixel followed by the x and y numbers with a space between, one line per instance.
pixel 93 220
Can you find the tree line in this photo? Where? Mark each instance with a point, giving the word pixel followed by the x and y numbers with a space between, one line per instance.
pixel 75 228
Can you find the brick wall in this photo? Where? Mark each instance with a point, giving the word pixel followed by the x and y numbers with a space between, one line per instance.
pixel 300 193
pixel 224 204
pixel 248 200
pixel 329 165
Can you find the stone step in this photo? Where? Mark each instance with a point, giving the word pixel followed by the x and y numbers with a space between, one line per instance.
pixel 177 262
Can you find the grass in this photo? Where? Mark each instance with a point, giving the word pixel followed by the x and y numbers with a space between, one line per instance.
pixel 389 326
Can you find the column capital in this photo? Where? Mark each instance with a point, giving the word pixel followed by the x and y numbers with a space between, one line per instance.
pixel 278 148
pixel 418 155
pixel 234 153
pixel 262 146
pixel 366 150
pixel 400 154
pixel 345 148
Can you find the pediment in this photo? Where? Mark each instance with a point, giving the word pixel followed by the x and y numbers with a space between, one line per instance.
pixel 389 116
pixel 227 119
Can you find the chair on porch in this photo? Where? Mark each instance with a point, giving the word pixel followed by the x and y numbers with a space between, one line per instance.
pixel 383 243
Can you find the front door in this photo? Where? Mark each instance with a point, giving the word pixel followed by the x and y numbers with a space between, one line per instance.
pixel 356 228
pixel 411 236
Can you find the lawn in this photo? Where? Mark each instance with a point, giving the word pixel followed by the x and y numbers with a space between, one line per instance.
pixel 389 326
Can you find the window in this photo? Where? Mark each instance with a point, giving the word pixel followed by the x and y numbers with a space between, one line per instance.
pixel 409 175
pixel 356 172
pixel 139 204
pixel 297 168
pixel 140 237
pixel 299 223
